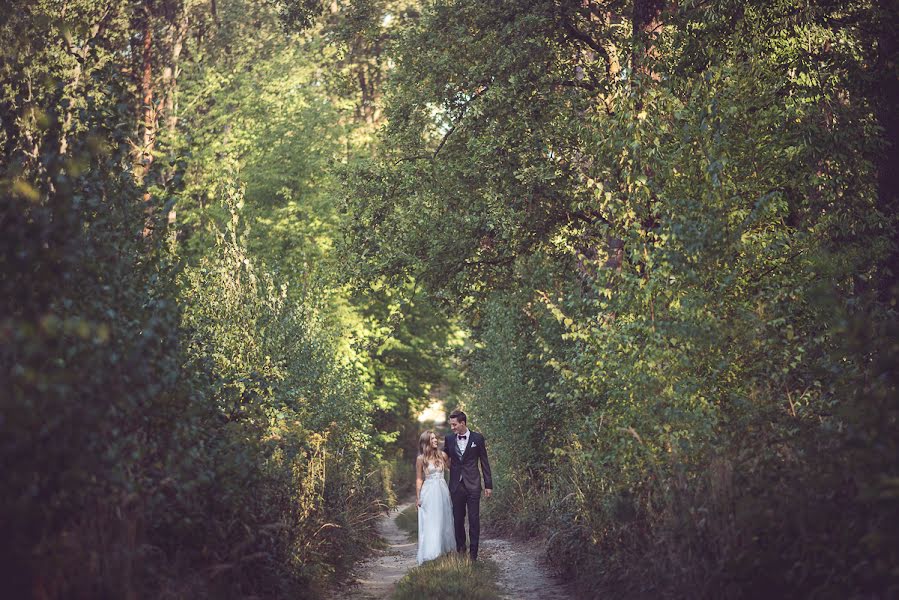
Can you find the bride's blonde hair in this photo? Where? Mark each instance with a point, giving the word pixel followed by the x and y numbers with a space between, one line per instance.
pixel 427 452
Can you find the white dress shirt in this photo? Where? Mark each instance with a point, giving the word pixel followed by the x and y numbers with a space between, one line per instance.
pixel 463 444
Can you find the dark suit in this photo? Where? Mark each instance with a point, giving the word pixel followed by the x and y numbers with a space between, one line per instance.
pixel 465 486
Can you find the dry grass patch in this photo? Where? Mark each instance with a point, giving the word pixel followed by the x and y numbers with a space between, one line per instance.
pixel 450 576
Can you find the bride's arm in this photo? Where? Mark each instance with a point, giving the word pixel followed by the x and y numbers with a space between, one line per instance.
pixel 418 479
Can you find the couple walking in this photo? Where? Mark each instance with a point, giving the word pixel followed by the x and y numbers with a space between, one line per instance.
pixel 442 508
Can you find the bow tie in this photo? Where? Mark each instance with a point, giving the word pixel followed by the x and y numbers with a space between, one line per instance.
pixel 462 437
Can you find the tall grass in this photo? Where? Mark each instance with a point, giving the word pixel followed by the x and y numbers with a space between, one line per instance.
pixel 408 520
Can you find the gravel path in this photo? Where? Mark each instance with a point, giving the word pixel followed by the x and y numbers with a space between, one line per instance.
pixel 521 577
pixel 376 577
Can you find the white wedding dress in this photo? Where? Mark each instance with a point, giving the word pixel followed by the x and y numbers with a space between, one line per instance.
pixel 435 517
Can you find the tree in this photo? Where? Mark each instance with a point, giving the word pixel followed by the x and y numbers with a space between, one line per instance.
pixel 681 203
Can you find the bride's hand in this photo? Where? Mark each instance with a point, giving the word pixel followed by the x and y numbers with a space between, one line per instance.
pixel 418 502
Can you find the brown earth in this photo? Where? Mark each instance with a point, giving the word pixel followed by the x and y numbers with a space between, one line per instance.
pixel 376 577
pixel 521 574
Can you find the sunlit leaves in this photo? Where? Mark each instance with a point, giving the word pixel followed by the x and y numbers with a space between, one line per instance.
pixel 654 260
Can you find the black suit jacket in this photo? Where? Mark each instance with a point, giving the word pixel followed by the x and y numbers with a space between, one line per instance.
pixel 464 467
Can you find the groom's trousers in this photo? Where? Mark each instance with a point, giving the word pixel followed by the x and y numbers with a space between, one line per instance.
pixel 470 500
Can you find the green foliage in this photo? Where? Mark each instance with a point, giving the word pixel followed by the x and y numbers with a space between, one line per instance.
pixel 671 248
pixel 175 423
pixel 88 363
pixel 253 103
pixel 299 14
pixel 281 128
pixel 406 345
pixel 671 239
pixel 274 376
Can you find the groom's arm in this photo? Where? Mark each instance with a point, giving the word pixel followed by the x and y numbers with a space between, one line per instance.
pixel 485 467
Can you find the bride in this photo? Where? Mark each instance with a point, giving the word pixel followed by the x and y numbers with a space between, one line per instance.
pixel 435 513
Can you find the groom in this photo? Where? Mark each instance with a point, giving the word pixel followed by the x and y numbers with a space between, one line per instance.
pixel 466 449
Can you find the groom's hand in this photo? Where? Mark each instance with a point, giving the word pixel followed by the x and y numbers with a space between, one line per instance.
pixel 488 492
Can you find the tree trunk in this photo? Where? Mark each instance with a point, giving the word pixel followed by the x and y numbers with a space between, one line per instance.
pixel 81 56
pixel 888 118
pixel 170 73
pixel 148 112
pixel 646 25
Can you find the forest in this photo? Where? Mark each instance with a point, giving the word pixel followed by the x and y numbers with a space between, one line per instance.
pixel 650 247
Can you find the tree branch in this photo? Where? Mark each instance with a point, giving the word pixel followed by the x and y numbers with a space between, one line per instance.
pixel 585 85
pixel 456 122
pixel 576 34
pixel 503 260
pixel 588 218
pixel 458 119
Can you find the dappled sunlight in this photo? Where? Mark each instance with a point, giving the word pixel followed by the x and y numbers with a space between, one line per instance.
pixel 434 413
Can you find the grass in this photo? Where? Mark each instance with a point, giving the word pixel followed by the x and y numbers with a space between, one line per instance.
pixel 450 576
pixel 408 520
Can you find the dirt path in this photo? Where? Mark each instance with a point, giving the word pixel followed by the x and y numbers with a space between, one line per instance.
pixel 521 574
pixel 375 578
pixel 521 577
